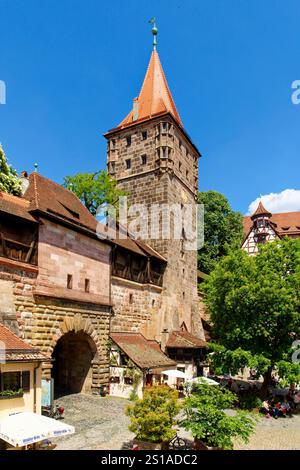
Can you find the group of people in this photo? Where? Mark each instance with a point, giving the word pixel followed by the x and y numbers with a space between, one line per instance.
pixel 275 408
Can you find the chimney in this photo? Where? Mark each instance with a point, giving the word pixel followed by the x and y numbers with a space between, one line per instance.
pixel 24 181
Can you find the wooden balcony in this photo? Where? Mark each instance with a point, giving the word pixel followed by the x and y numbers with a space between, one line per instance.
pixel 18 251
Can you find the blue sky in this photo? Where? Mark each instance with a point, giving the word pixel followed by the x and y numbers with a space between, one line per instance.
pixel 72 67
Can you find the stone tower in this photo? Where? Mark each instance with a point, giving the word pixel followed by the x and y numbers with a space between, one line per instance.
pixel 154 160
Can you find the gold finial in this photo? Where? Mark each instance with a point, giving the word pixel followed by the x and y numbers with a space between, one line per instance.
pixel 154 32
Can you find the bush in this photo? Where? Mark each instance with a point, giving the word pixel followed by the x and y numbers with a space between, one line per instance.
pixel 206 419
pixel 152 418
pixel 250 402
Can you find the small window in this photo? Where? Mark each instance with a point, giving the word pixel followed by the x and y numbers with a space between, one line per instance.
pixel 153 303
pixel 180 144
pixel 87 285
pixel 128 140
pixel 113 143
pixel 164 152
pixel 26 381
pixel 183 271
pixel 128 164
pixel 144 135
pixel 70 281
pixel 128 380
pixel 114 380
pixel 179 166
pixel 130 298
pixel 187 173
pixel 112 167
pixel 144 159
pixel 10 381
pixel 183 295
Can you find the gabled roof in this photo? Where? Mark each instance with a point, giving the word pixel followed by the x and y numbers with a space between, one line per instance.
pixel 184 339
pixel 51 198
pixel 13 348
pixel 155 97
pixel 15 206
pixel 284 223
pixel 144 353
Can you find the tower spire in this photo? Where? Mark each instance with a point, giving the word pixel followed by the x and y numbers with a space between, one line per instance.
pixel 154 32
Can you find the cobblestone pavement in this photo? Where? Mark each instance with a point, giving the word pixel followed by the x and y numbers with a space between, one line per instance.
pixel 100 423
pixel 275 434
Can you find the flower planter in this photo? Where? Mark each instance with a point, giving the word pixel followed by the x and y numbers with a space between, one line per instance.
pixel 145 445
pixel 200 445
pixel 9 397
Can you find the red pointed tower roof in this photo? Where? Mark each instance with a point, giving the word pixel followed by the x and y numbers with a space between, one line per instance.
pixel 155 97
pixel 260 211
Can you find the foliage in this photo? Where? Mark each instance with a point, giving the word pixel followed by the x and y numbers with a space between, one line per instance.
pixel 206 419
pixel 254 304
pixel 223 228
pixel 133 396
pixel 152 418
pixel 9 181
pixel 94 189
pixel 134 373
pixel 11 393
pixel 250 401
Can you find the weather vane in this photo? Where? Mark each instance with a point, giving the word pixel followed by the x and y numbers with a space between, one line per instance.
pixel 154 31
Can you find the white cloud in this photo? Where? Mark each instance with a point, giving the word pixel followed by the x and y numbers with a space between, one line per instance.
pixel 286 201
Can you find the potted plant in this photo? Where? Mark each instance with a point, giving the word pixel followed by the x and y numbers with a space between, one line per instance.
pixel 152 418
pixel 213 426
pixel 6 394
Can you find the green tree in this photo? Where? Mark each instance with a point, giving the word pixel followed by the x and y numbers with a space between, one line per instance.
pixel 254 303
pixel 223 228
pixel 9 181
pixel 152 418
pixel 94 189
pixel 205 417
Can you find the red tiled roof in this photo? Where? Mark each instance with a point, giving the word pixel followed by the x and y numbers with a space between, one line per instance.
pixel 285 223
pixel 16 206
pixel 144 353
pixel 51 198
pixel 260 211
pixel 155 97
pixel 16 349
pixel 184 339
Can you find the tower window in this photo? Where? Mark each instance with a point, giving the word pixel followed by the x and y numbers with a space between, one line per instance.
pixel 144 159
pixel 69 281
pixel 111 167
pixel 130 298
pixel 128 163
pixel 179 166
pixel 144 135
pixel 87 285
pixel 187 173
pixel 128 140
pixel 164 152
pixel 153 303
pixel 113 143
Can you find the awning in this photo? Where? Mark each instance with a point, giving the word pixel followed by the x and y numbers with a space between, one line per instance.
pixel 26 428
pixel 203 381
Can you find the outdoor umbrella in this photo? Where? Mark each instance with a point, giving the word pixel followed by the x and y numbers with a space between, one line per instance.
pixel 26 428
pixel 175 373
pixel 204 381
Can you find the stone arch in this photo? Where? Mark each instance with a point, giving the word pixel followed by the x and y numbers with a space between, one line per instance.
pixel 74 324
pixel 77 326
